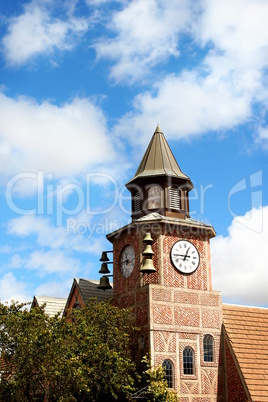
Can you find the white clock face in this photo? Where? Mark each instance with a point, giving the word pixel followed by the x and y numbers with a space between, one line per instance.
pixel 184 256
pixel 127 261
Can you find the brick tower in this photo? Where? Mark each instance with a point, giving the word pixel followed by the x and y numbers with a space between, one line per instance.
pixel 178 312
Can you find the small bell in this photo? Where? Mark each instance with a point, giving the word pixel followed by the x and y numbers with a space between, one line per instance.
pixel 104 257
pixel 147 238
pixel 147 266
pixel 104 283
pixel 148 252
pixel 104 268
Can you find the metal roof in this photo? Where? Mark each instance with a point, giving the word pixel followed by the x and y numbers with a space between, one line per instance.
pixel 159 160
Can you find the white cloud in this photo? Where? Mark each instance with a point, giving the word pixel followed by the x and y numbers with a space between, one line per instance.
pixel 186 105
pixel 65 140
pixel 100 2
pixel 263 136
pixel 55 288
pixel 57 238
pixel 36 31
pixel 53 261
pixel 51 252
pixel 237 28
pixel 146 34
pixel 12 289
pixel 219 90
pixel 239 260
pixel 5 249
pixel 16 261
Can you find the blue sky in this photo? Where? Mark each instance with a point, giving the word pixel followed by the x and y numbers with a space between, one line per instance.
pixel 83 86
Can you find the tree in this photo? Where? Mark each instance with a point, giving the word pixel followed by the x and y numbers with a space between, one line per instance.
pixel 49 359
pixel 153 386
pixel 101 348
pixel 33 354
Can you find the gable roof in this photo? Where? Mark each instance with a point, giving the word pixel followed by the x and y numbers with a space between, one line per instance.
pixel 87 289
pixel 159 160
pixel 53 305
pixel 246 329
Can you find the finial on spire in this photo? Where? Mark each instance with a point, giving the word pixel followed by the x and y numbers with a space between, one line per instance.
pixel 158 129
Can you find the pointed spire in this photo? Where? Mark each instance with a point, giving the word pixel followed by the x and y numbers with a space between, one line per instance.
pixel 158 129
pixel 159 160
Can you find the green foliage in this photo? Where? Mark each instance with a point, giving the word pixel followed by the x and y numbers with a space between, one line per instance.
pixel 89 359
pixel 157 389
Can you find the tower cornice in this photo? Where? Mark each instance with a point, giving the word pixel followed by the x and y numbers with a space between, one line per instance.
pixel 155 221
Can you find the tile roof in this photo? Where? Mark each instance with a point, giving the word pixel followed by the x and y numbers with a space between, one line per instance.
pixel 88 288
pixel 53 306
pixel 247 334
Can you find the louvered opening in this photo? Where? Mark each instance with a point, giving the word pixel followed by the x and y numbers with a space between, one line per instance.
pixel 174 200
pixel 136 201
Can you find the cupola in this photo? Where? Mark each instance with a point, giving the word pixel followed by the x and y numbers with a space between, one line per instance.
pixel 159 185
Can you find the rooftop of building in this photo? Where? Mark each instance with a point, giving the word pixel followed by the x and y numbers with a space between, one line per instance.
pixel 247 335
pixel 88 288
pixel 52 305
pixel 159 160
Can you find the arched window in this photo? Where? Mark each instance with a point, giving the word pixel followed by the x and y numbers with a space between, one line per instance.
pixel 208 348
pixel 188 361
pixel 169 372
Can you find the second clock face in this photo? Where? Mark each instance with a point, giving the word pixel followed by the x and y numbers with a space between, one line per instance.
pixel 184 256
pixel 127 261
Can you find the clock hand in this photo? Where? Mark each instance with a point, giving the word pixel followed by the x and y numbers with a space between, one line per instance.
pixel 182 255
pixel 186 255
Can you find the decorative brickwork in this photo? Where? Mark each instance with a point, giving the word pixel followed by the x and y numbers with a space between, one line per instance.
pixel 190 315
pixel 162 314
pixel 236 392
pixel 187 316
pixel 211 318
pixel 173 310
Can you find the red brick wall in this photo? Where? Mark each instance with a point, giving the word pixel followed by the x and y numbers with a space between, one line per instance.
pixel 166 274
pixel 201 278
pixel 236 392
pixel 172 309
pixel 76 298
pixel 123 285
pixel 182 318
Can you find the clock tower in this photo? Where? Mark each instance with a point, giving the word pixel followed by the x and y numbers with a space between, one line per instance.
pixel 173 302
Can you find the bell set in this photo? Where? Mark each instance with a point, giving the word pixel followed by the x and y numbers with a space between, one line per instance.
pixel 147 265
pixel 146 268
pixel 104 280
